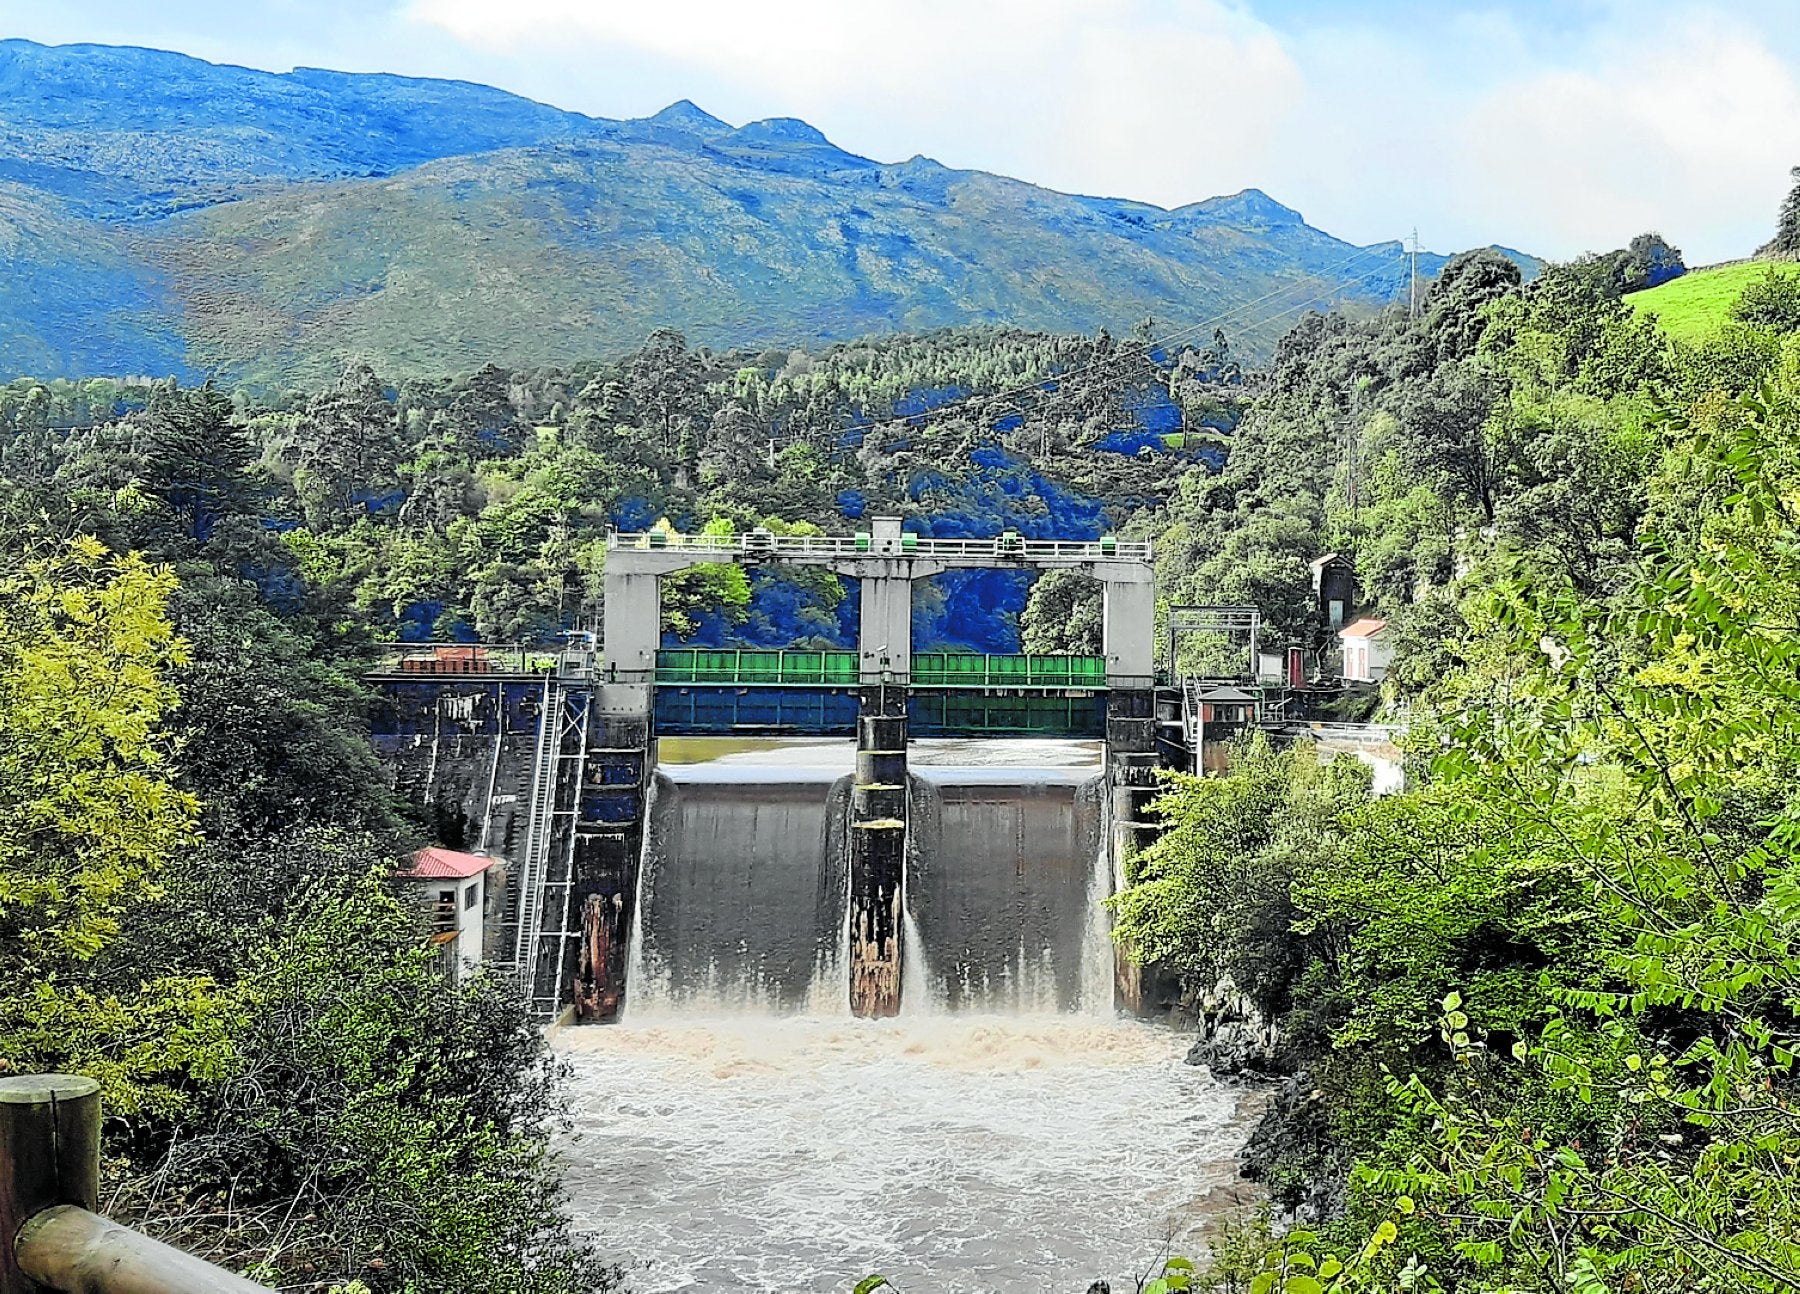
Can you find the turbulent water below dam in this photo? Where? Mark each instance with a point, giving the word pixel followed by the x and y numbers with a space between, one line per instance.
pixel 739 1131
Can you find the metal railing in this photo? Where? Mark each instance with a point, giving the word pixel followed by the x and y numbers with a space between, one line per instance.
pixel 1353 731
pixel 573 658
pixel 764 544
pixel 683 666
pixel 465 658
pixel 51 1238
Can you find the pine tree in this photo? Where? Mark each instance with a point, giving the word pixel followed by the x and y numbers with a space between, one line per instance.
pixel 1785 245
pixel 196 456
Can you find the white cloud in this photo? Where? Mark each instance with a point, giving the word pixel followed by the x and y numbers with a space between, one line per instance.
pixel 1692 132
pixel 1165 100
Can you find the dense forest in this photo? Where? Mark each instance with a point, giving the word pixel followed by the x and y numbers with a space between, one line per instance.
pixel 1538 1011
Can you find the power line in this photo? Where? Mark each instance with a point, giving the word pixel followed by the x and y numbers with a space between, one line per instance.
pixel 1412 300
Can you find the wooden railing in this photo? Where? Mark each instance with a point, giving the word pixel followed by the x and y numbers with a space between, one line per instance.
pixel 51 1238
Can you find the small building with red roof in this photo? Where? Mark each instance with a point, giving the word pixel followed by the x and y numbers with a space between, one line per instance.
pixel 1367 652
pixel 452 888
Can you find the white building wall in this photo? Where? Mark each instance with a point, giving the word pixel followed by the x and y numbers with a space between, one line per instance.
pixel 1366 660
pixel 470 901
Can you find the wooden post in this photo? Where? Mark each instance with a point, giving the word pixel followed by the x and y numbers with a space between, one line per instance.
pixel 50 1236
pixel 49 1155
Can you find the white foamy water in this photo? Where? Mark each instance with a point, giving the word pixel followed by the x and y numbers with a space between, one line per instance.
pixel 949 1153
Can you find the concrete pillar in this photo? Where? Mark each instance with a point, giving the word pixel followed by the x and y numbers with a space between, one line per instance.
pixel 1128 625
pixel 885 641
pixel 878 853
pixel 1131 783
pixel 608 850
pixel 633 630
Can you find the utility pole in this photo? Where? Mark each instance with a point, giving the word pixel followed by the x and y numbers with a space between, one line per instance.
pixel 1412 306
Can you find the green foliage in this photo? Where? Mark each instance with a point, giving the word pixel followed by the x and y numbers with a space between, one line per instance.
pixel 1062 616
pixel 1210 898
pixel 1771 301
pixel 1683 694
pixel 90 818
pixel 1786 243
pixel 1547 1001
pixel 1455 308
pixel 1601 878
pixel 721 587
pixel 290 1081
pixel 356 1137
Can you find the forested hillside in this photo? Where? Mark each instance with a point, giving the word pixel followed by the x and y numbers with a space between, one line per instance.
pixel 1539 1012
pixel 1541 1006
pixel 167 216
pixel 196 903
pixel 478 506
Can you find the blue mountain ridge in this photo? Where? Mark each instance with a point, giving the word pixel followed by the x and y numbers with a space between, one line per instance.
pixel 163 214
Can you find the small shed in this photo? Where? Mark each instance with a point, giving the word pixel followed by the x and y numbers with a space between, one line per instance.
pixel 1367 651
pixel 451 887
pixel 1227 710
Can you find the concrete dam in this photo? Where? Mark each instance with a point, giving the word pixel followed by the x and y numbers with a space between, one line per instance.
pixel 743 899
pixel 844 913
pixel 886 879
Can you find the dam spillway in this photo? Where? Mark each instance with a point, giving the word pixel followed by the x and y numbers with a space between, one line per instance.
pixel 743 885
pixel 742 893
pixel 737 1129
pixel 1002 890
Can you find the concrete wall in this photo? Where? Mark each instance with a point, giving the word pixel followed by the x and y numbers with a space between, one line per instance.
pixel 461 751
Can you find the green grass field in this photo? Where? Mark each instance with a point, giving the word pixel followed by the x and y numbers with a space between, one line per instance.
pixel 1694 305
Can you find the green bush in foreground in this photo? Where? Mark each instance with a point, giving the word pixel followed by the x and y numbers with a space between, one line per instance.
pixel 1606 858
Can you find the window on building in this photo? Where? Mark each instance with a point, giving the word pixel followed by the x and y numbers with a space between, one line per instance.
pixel 469 897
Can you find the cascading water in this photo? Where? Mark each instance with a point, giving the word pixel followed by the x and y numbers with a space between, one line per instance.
pixel 1099 977
pixel 741 895
pixel 916 996
pixel 1001 887
pixel 1007 1131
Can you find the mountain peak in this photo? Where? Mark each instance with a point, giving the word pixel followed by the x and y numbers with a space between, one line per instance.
pixel 1251 205
pixel 223 194
pixel 790 130
pixel 685 114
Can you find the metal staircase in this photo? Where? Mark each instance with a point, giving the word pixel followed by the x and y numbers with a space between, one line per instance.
pixel 528 887
pixel 546 950
pixel 1192 715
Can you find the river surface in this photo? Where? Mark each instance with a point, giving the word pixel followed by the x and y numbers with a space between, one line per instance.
pixel 956 1153
pixel 738 1131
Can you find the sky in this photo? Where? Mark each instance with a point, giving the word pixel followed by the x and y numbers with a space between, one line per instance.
pixel 1553 126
